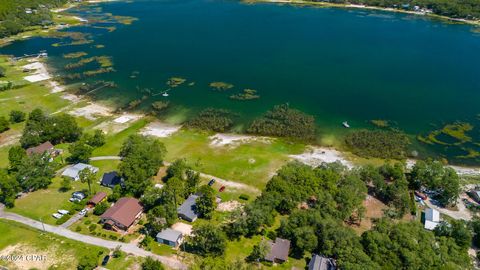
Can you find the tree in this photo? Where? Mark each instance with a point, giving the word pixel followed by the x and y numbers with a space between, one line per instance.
pixel 80 152
pixel 95 140
pixel 9 188
pixel 35 172
pixel 259 252
pixel 207 240
pixel 66 184
pixel 100 208
pixel 16 156
pixel 4 124
pixel 206 202
pixel 152 264
pixel 87 176
pixel 87 263
pixel 17 116
pixel 142 157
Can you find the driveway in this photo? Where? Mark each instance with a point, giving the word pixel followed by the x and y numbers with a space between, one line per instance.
pixel 73 219
pixel 462 213
pixel 126 247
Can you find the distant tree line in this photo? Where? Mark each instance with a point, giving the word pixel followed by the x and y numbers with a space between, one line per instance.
pixel 466 9
pixel 14 17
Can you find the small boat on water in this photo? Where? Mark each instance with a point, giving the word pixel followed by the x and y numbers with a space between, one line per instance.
pixel 165 94
pixel 345 124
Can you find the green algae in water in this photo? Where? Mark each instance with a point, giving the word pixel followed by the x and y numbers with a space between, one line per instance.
pixel 450 134
pixel 74 55
pixel 221 86
pixel 247 94
pixel 176 81
pixel 380 123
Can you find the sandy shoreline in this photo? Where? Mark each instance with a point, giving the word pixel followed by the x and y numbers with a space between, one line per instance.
pixel 352 6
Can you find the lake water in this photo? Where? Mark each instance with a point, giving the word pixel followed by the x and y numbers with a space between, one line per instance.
pixel 333 63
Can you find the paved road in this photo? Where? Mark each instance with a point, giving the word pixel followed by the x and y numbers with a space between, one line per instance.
pixel 221 181
pixel 126 247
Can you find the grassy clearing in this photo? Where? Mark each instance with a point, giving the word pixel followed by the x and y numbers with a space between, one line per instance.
pixel 251 163
pixel 41 204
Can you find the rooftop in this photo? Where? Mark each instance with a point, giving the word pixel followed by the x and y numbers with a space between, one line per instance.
pixel 98 197
pixel 40 149
pixel 187 208
pixel 169 235
pixel 124 211
pixel 278 250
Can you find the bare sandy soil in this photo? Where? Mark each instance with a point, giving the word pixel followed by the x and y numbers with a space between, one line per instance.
pixel 51 260
pixel 92 111
pixel 315 156
pixel 233 140
pixel 229 206
pixel 158 129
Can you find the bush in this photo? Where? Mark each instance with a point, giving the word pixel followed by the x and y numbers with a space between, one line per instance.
pixel 378 144
pixel 92 227
pixel 17 116
pixel 4 124
pixel 100 208
pixel 87 222
pixel 78 229
pixel 244 197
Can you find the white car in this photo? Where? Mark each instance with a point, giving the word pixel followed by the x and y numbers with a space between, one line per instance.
pixel 64 212
pixel 83 212
pixel 57 215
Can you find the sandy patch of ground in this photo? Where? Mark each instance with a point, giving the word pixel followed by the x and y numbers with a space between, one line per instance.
pixel 92 111
pixel 233 140
pixel 56 87
pixel 9 139
pixel 44 259
pixel 315 156
pixel 127 117
pixel 373 210
pixel 71 97
pixel 40 72
pixel 118 124
pixel 185 229
pixel 228 206
pixel 160 130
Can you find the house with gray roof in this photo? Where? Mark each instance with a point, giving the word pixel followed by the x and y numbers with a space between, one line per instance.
pixel 187 211
pixel 170 237
pixel 321 263
pixel 73 172
pixel 432 219
pixel 278 251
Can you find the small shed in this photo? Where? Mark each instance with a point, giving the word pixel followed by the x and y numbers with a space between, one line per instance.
pixel 432 219
pixel 170 237
pixel 97 198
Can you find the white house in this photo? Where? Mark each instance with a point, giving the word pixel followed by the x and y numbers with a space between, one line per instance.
pixel 74 171
pixel 432 219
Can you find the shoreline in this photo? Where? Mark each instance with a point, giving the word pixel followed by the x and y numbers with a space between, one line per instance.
pixel 365 7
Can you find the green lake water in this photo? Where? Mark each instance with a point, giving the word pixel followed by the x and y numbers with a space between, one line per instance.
pixel 335 64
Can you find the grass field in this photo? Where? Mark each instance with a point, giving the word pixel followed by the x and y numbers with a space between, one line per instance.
pixel 61 253
pixel 41 204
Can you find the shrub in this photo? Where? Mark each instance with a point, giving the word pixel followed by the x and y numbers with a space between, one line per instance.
pixel 92 227
pixel 218 120
pixel 244 197
pixel 17 116
pixel 100 208
pixel 78 229
pixel 4 124
pixel 87 222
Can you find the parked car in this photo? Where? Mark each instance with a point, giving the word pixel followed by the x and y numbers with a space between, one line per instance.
pixel 63 212
pixel 105 260
pixel 83 212
pixel 222 189
pixel 74 200
pixel 57 215
pixel 211 182
pixel 420 195
pixel 79 195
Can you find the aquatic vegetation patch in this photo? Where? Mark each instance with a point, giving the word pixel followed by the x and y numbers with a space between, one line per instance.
pixel 127 20
pixel 221 86
pixel 134 74
pixel 380 123
pixel 160 106
pixel 378 143
pixel 470 154
pixel 96 72
pixel 283 121
pixel 74 55
pixel 104 61
pixel 247 94
pixel 175 81
pixel 99 46
pixel 80 63
pixel 444 136
pixel 219 120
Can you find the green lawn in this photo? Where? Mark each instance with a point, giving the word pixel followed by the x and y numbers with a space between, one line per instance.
pixel 59 251
pixel 82 226
pixel 251 163
pixel 41 204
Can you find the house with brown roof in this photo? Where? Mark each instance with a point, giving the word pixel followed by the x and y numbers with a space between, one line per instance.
pixel 123 214
pixel 98 198
pixel 279 250
pixel 44 148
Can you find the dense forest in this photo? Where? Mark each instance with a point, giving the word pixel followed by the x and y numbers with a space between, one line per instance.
pixel 16 15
